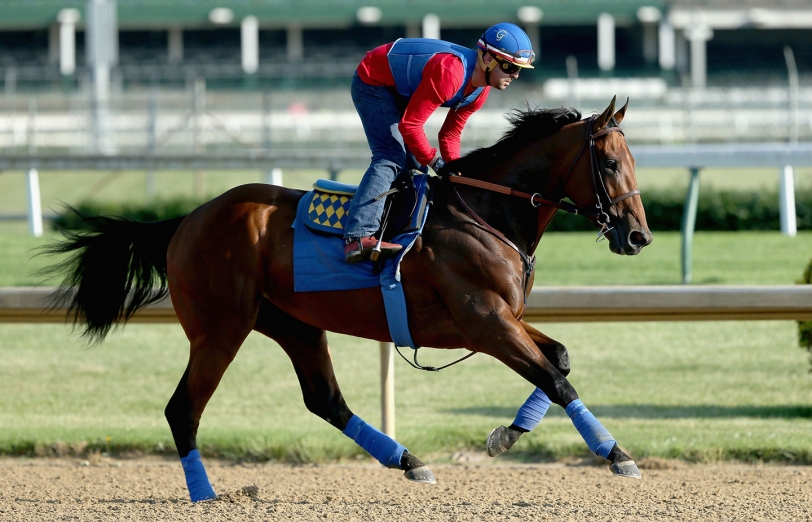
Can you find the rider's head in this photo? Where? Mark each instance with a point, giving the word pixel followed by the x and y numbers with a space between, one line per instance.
pixel 509 47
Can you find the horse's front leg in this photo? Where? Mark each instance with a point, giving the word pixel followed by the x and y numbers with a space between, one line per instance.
pixel 535 407
pixel 503 337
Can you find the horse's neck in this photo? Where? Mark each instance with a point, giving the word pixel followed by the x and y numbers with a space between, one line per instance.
pixel 538 168
pixel 545 215
pixel 513 216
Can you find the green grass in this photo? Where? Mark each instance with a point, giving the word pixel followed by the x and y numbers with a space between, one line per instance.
pixel 698 391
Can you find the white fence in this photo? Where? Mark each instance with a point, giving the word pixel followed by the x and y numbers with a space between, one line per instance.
pixel 544 305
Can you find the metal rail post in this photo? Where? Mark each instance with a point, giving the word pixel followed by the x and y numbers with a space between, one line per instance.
pixel 786 201
pixel 152 140
pixel 689 223
pixel 274 177
pixel 786 186
pixel 34 203
pixel 388 389
pixel 198 111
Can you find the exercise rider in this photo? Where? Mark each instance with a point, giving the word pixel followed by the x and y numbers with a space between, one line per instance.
pixel 396 88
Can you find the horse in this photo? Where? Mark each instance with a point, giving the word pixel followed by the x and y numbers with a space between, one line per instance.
pixel 228 269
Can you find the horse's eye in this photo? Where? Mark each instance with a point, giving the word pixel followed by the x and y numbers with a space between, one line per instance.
pixel 611 164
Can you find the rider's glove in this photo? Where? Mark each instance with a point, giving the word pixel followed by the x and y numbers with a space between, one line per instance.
pixel 438 165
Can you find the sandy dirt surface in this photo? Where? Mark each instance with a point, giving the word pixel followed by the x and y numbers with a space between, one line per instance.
pixel 153 489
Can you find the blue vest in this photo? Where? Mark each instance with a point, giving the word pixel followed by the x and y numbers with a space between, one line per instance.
pixel 408 57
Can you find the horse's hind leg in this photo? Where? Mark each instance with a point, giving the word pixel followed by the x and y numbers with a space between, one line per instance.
pixel 215 339
pixel 308 351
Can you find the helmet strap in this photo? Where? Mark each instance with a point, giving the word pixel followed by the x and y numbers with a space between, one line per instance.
pixel 487 67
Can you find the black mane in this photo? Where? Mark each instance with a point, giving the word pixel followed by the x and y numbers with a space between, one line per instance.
pixel 527 126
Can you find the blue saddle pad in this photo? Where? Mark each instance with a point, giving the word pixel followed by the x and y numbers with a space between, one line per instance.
pixel 318 256
pixel 318 244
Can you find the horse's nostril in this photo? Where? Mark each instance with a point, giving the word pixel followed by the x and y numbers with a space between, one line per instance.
pixel 638 238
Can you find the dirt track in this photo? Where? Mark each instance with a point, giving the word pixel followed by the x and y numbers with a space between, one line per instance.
pixel 153 489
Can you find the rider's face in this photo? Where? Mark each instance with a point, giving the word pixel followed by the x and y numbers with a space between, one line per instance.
pixel 501 79
pixel 503 74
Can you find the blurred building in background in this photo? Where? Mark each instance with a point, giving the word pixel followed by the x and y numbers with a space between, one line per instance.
pixel 152 75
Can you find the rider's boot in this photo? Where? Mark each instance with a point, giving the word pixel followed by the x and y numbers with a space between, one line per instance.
pixel 359 249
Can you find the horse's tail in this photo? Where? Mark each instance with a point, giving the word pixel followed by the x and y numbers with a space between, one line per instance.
pixel 112 269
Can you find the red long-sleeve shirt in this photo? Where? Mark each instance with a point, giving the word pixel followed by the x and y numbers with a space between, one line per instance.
pixel 442 78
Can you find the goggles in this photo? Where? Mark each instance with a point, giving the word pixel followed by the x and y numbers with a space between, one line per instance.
pixel 507 67
pixel 519 59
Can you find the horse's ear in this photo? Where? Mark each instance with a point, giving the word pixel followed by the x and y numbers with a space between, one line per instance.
pixel 621 113
pixel 603 119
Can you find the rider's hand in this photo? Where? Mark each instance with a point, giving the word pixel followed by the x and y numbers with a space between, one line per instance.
pixel 438 165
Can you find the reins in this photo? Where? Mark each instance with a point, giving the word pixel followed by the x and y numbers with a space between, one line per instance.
pixel 536 199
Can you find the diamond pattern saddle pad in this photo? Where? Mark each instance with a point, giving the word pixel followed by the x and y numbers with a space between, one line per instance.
pixel 327 206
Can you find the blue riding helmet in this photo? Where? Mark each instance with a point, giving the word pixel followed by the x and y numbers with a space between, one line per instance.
pixel 508 43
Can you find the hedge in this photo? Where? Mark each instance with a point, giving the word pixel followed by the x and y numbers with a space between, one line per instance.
pixel 157 211
pixel 717 210
pixel 724 210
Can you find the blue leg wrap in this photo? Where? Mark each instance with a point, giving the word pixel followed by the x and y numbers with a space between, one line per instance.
pixel 533 410
pixel 381 446
pixel 196 479
pixel 597 437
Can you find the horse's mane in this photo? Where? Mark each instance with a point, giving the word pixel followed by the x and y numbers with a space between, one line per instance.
pixel 527 126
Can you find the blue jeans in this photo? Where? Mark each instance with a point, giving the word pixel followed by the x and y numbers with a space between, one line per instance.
pixel 379 109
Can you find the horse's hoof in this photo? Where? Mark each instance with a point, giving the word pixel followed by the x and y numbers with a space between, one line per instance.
pixel 421 474
pixel 500 440
pixel 627 468
pixel 494 446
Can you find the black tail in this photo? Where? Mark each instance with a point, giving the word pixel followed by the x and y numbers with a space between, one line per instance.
pixel 111 270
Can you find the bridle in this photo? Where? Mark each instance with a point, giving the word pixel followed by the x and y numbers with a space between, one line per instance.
pixel 601 194
pixel 602 197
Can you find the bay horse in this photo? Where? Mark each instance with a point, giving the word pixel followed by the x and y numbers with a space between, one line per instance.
pixel 228 268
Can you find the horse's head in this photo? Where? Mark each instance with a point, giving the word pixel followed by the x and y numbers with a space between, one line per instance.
pixel 601 177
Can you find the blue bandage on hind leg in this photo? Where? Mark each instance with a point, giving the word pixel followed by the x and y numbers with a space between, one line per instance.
pixel 597 438
pixel 387 450
pixel 196 479
pixel 533 410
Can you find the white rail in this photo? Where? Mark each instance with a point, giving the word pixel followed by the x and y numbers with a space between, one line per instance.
pixel 545 304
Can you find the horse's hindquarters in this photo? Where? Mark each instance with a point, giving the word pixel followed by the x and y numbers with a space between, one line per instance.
pixel 217 263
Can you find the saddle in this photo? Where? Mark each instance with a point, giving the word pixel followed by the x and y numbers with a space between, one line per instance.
pixel 407 201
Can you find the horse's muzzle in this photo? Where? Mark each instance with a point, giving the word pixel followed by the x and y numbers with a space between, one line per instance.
pixel 631 243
